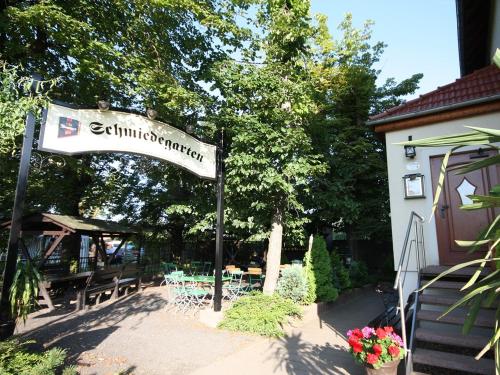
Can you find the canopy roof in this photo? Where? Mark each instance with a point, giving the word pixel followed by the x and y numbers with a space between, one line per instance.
pixel 46 223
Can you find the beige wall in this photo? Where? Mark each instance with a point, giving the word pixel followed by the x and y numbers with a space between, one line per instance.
pixel 398 165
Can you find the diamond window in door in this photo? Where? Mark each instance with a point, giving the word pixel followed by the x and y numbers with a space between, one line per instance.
pixel 466 188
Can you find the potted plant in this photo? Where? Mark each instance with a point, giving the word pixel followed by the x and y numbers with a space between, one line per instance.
pixel 378 349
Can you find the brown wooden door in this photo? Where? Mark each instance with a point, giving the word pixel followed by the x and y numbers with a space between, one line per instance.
pixel 452 223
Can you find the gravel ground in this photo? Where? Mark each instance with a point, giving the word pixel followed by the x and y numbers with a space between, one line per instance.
pixel 134 335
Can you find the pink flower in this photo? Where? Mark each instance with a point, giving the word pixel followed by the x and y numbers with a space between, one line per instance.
pixel 396 338
pixel 367 332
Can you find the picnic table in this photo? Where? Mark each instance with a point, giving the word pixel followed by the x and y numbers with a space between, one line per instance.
pixel 53 281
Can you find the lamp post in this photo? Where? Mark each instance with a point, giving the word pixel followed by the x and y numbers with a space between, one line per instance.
pixel 219 235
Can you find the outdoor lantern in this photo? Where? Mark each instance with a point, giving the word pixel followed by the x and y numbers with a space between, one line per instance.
pixel 103 105
pixel 151 113
pixel 410 151
pixel 190 128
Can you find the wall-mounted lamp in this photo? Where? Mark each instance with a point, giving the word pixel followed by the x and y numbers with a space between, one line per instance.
pixel 103 105
pixel 151 113
pixel 189 128
pixel 410 151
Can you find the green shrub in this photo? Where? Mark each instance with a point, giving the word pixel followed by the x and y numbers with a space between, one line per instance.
pixel 293 284
pixel 359 274
pixel 15 359
pixel 319 262
pixel 310 279
pixel 261 314
pixel 341 278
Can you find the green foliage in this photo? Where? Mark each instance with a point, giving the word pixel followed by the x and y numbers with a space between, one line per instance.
pixel 293 284
pixel 347 94
pixel 319 272
pixel 24 289
pixel 260 314
pixel 341 277
pixel 358 273
pixel 479 292
pixel 16 99
pixel 310 278
pixel 16 359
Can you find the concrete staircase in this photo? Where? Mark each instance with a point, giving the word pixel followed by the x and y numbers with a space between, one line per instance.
pixel 439 345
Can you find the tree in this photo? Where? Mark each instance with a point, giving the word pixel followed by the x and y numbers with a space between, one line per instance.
pixel 265 108
pixel 136 54
pixel 354 193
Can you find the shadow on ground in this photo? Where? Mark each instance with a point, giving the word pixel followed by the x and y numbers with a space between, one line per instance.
pixel 84 331
pixel 325 349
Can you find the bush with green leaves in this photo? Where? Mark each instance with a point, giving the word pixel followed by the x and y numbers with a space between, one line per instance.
pixel 341 278
pixel 260 314
pixel 319 272
pixel 16 359
pixel 24 289
pixel 359 274
pixel 293 284
pixel 310 279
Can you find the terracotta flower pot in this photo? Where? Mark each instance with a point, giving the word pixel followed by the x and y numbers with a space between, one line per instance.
pixel 389 368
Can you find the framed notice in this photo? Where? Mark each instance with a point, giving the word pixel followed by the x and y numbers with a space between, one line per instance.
pixel 414 186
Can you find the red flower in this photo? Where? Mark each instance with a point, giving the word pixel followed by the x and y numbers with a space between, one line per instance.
pixel 357 333
pixel 371 358
pixel 377 349
pixel 356 346
pixel 393 351
pixel 381 334
pixel 388 329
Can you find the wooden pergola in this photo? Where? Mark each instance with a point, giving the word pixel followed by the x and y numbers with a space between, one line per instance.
pixel 60 226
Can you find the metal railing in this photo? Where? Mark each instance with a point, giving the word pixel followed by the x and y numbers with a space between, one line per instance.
pixel 412 244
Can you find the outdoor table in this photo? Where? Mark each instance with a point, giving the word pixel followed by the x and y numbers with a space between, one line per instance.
pixel 201 279
pixel 49 280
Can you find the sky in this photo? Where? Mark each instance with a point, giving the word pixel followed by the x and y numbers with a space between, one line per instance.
pixel 421 36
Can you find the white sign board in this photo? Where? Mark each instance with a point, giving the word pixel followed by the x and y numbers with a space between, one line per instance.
pixel 76 131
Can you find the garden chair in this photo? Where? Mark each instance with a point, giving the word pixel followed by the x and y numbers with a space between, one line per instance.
pixel 234 288
pixel 207 266
pixel 196 267
pixel 254 276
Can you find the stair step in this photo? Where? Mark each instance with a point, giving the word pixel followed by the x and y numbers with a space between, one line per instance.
pixel 453 361
pixel 453 285
pixel 432 271
pixel 448 338
pixel 443 300
pixel 483 319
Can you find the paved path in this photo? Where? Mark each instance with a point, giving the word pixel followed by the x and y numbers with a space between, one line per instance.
pixel 316 346
pixel 137 335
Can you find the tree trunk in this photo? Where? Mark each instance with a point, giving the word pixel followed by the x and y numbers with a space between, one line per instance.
pixel 274 252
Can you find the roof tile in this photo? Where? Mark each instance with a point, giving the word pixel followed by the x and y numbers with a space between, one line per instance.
pixel 482 83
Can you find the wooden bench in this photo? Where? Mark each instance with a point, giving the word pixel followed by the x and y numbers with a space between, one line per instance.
pixel 131 277
pixel 115 279
pixel 100 282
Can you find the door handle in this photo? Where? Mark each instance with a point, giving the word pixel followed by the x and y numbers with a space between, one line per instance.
pixel 442 210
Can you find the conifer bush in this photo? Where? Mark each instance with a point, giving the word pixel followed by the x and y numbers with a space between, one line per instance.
pixel 319 272
pixel 16 359
pixel 293 284
pixel 341 278
pixel 261 314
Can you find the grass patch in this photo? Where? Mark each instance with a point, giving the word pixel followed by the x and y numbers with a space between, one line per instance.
pixel 260 314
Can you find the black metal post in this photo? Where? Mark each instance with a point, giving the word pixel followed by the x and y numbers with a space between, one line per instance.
pixel 17 213
pixel 219 239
